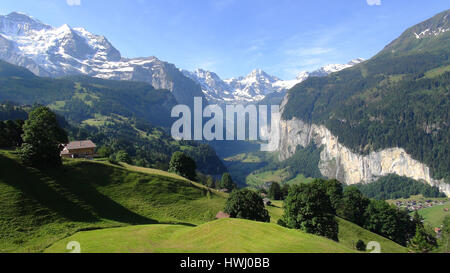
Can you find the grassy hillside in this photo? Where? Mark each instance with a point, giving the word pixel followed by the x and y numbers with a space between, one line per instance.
pixel 349 233
pixel 435 215
pixel 282 176
pixel 225 235
pixel 110 208
pixel 39 207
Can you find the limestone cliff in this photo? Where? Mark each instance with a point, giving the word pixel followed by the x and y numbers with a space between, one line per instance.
pixel 338 161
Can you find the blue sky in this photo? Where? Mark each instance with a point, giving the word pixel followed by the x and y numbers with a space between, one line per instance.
pixel 233 37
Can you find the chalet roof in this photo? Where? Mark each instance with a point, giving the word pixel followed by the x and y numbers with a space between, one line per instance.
pixel 80 144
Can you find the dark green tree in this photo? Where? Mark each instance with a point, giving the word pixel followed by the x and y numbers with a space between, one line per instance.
pixel 275 191
pixel 226 182
pixel 308 207
pixel 333 188
pixel 210 182
pixel 42 137
pixel 11 133
pixel 246 204
pixel 423 241
pixel 104 151
pixel 123 156
pixel 183 165
pixel 353 205
pixel 285 191
pixel 446 225
pixel 446 233
pixel 417 219
pixel 389 221
pixel 393 187
pixel 360 245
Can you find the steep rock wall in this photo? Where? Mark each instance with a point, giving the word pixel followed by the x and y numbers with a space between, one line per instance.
pixel 338 161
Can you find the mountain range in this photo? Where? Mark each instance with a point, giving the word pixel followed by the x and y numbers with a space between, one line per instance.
pixel 255 86
pixel 54 52
pixel 391 107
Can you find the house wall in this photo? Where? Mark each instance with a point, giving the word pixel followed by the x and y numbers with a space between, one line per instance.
pixel 83 151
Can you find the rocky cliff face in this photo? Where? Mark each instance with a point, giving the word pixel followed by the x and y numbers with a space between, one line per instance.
pixel 338 161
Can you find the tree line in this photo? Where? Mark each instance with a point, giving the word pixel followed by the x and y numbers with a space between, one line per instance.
pixel 393 187
pixel 313 208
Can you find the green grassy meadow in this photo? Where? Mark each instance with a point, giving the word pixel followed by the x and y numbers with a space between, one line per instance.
pixel 435 215
pixel 123 208
pixel 41 207
pixel 349 233
pixel 224 235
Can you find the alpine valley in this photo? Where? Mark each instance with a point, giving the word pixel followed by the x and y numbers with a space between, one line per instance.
pixel 380 125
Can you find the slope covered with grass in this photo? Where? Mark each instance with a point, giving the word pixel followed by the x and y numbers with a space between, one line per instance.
pixel 435 215
pixel 110 208
pixel 40 207
pixel 349 233
pixel 224 235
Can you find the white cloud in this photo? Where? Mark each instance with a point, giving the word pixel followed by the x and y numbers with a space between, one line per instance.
pixel 311 51
pixel 73 2
pixel 373 2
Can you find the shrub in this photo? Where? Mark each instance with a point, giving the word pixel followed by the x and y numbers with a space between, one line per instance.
pixel 246 204
pixel 360 245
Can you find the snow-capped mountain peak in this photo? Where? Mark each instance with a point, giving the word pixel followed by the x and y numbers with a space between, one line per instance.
pixel 258 76
pixel 58 51
pixel 302 75
pixel 331 68
pixel 17 23
pixel 256 85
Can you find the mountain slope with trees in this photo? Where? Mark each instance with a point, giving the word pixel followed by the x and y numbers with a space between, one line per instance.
pixel 120 115
pixel 399 98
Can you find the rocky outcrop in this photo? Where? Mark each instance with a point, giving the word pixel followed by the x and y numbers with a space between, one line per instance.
pixel 338 161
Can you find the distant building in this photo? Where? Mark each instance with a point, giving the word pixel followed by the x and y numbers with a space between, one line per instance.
pixel 221 215
pixel 79 149
pixel 267 201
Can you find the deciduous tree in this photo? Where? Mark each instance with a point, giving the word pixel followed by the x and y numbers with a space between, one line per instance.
pixel 246 204
pixel 42 138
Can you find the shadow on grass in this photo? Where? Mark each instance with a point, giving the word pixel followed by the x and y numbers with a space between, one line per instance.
pixel 67 192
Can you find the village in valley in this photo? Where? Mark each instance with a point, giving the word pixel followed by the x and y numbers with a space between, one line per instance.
pixel 413 205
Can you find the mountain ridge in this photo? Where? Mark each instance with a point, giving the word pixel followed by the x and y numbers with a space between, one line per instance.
pixel 385 115
pixel 54 52
pixel 255 86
